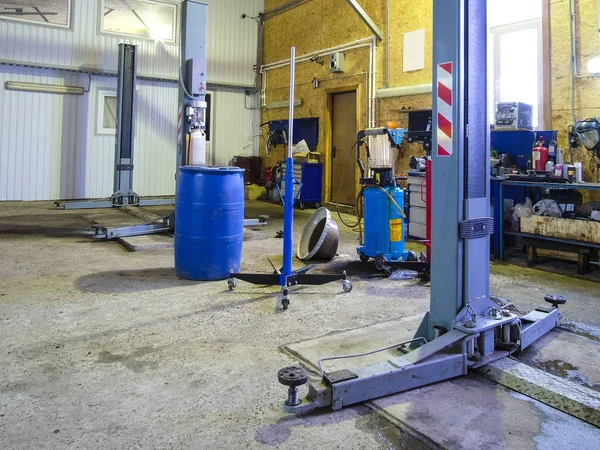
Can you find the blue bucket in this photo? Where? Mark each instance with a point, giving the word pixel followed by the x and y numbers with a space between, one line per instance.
pixel 209 222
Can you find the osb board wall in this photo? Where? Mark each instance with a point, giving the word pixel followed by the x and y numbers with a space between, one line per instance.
pixel 406 16
pixel 587 90
pixel 320 24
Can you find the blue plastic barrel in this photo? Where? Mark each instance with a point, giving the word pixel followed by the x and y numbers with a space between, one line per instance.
pixel 209 222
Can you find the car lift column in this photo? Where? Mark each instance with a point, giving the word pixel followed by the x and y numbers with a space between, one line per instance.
pixel 464 328
pixel 126 97
pixel 460 163
pixel 123 193
pixel 192 80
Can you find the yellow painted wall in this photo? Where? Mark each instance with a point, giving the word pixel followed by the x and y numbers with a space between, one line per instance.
pixel 320 24
pixel 587 90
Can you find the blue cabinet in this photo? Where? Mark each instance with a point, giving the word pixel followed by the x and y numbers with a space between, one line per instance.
pixel 311 177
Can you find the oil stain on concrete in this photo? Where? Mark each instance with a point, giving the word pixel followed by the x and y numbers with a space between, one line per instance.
pixel 132 361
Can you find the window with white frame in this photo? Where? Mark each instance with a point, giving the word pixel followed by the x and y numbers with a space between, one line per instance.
pixel 515 52
pixel 147 19
pixel 42 12
pixel 107 111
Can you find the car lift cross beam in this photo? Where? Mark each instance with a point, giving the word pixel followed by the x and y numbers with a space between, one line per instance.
pixel 464 328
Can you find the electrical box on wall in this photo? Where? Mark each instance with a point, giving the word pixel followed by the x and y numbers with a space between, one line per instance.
pixel 337 63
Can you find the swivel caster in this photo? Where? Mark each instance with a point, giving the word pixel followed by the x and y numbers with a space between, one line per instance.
pixel 292 377
pixel 283 300
pixel 364 258
pixel 555 299
pixel 231 284
pixel 346 285
pixel 380 262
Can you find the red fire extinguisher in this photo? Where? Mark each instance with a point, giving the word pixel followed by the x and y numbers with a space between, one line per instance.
pixel 539 155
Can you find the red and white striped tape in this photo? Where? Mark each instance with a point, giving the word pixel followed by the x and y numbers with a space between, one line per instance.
pixel 180 124
pixel 444 110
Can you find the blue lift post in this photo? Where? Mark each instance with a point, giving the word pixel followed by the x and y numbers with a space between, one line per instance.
pixel 464 328
pixel 287 276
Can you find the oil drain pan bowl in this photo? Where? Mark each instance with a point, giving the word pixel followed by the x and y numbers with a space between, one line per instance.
pixel 320 237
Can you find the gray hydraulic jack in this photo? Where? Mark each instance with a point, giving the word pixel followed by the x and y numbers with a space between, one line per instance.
pixel 465 327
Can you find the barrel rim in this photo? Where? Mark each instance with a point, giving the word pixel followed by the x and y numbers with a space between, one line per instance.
pixel 214 170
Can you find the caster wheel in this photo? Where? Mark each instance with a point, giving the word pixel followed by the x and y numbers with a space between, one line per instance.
pixel 282 302
pixel 424 276
pixel 317 205
pixel 379 262
pixel 412 256
pixel 347 286
pixel 364 258
pixel 231 284
pixel 301 206
pixel 387 271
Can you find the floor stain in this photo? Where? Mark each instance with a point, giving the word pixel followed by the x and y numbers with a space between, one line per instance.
pixel 131 361
pixel 387 434
pixel 566 370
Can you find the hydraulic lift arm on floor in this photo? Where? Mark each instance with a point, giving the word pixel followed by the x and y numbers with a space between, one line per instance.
pixel 464 328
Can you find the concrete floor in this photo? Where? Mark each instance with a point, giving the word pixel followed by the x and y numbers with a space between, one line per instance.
pixel 104 348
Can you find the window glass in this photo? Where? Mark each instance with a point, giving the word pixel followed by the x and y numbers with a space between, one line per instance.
pixel 519 67
pixel 141 18
pixel 46 12
pixel 503 12
pixel 515 55
pixel 109 117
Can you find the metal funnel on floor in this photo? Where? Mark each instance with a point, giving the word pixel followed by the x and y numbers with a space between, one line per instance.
pixel 320 237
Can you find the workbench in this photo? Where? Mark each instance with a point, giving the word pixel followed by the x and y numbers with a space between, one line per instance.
pixel 498 187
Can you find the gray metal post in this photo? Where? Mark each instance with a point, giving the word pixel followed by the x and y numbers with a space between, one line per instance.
pixel 123 180
pixel 460 268
pixel 465 318
pixel 192 76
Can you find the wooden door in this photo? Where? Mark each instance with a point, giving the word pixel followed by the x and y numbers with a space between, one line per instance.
pixel 344 168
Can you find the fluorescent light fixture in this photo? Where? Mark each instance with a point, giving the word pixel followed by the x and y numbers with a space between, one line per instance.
pixel 41 87
pixel 283 104
pixel 593 65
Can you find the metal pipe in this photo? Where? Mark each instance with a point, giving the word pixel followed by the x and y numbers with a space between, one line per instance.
pixel 369 88
pixel 321 80
pixel 574 62
pixel 288 211
pixel 402 91
pixel 345 47
pixel 108 73
pixel 365 18
pixel 374 82
pixel 285 7
pixel 387 43
pixel 506 332
pixel 573 16
pixel 306 58
pixel 318 52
